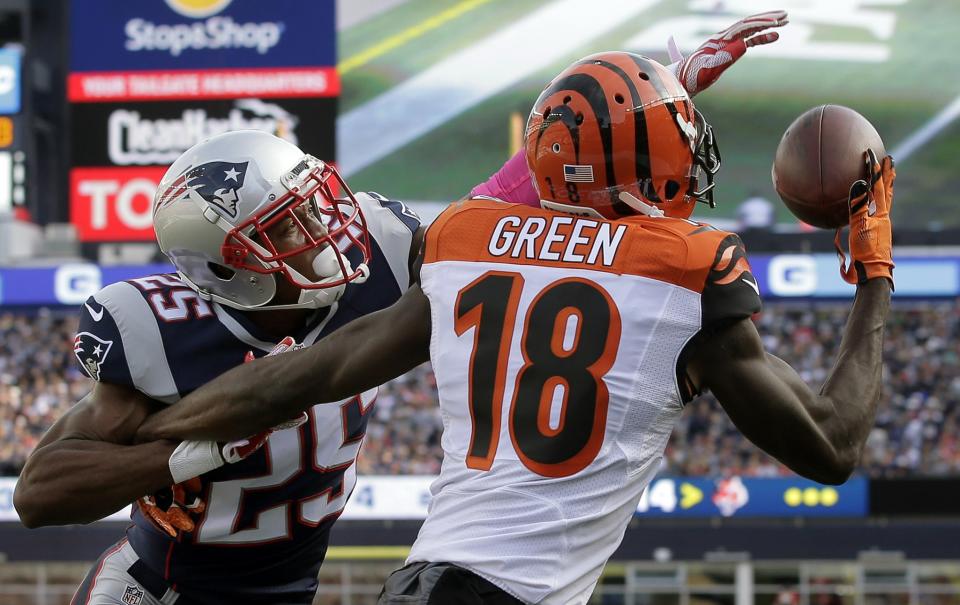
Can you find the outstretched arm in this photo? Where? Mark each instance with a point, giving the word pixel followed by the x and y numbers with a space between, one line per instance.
pixel 706 64
pixel 87 467
pixel 256 396
pixel 818 435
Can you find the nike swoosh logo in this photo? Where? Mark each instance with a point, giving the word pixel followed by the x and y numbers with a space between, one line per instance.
pixel 96 315
pixel 755 287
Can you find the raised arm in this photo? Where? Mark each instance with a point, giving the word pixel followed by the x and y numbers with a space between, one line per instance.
pixel 818 435
pixel 696 73
pixel 256 396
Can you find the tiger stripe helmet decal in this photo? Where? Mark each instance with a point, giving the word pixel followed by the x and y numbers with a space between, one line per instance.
pixel 616 123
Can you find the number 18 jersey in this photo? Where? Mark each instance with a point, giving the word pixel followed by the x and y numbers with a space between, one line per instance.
pixel 558 346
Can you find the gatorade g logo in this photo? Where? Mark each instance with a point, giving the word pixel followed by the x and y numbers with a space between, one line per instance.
pixel 198 9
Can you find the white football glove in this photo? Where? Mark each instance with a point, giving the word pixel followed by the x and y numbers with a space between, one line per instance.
pixel 173 509
pixel 702 68
pixel 194 458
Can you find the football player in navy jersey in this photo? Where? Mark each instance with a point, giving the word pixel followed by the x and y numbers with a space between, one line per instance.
pixel 268 242
pixel 264 249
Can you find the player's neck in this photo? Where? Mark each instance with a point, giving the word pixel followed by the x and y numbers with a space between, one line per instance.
pixel 288 322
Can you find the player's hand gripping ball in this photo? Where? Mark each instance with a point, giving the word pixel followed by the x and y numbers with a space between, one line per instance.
pixel 172 509
pixel 818 158
pixel 871 232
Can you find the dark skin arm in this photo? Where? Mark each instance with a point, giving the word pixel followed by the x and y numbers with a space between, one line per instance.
pixel 251 398
pixel 415 259
pixel 818 435
pixel 85 467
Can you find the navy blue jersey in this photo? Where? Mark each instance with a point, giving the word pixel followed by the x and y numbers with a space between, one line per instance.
pixel 265 530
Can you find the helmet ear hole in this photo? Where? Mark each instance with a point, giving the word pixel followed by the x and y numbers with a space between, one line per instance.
pixel 672 189
pixel 222 272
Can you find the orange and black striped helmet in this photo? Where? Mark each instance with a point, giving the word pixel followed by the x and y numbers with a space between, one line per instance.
pixel 615 128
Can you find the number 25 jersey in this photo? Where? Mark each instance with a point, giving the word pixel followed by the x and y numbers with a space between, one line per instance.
pixel 266 527
pixel 558 345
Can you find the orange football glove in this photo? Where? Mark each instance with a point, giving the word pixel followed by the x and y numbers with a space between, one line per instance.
pixel 871 233
pixel 172 509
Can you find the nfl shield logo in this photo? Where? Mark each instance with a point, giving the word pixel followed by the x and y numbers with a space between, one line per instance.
pixel 132 595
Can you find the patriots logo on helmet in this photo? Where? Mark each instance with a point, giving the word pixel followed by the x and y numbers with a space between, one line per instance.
pixel 218 183
pixel 91 351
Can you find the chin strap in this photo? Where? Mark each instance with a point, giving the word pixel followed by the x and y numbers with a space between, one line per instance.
pixel 640 206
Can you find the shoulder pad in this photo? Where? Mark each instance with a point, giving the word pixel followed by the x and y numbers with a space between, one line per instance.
pixel 377 209
pixel 98 345
pixel 730 291
pixel 128 315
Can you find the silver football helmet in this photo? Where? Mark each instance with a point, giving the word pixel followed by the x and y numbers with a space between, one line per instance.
pixel 215 204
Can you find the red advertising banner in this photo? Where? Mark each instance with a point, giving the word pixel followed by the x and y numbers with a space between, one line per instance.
pixel 267 82
pixel 113 204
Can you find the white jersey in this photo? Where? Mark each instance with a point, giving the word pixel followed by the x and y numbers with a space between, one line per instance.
pixel 556 346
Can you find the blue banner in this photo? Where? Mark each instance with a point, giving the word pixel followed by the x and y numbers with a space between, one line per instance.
pixel 69 284
pixel 120 35
pixel 753 497
pixel 818 276
pixel 780 277
pixel 408 497
pixel 9 81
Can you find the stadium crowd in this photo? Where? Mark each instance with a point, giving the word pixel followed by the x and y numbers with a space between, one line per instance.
pixel 917 429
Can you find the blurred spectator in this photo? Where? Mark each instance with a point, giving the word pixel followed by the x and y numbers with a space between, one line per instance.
pixel 39 381
pixel 22 214
pixel 823 592
pixel 787 596
pixel 917 430
pixel 755 212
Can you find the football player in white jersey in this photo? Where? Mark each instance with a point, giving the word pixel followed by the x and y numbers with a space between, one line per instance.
pixel 159 337
pixel 566 340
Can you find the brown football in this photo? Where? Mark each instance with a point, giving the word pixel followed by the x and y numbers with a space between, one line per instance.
pixel 819 157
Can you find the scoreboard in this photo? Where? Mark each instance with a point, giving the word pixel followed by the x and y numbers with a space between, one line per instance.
pixel 149 79
pixel 12 155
